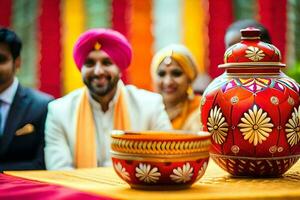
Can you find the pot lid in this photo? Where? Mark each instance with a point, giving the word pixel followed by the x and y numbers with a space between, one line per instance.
pixel 251 52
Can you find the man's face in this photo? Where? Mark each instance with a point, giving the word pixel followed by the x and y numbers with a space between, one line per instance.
pixel 7 66
pixel 100 74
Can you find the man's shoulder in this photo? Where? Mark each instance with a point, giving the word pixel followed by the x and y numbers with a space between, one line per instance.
pixel 37 95
pixel 67 100
pixel 142 95
pixel 133 90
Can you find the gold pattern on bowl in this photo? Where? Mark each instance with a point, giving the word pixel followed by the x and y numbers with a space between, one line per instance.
pixel 156 143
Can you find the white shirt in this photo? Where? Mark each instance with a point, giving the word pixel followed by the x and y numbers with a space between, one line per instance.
pixel 6 99
pixel 146 113
pixel 104 125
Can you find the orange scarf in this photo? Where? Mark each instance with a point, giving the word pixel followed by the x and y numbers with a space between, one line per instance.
pixel 85 146
pixel 189 107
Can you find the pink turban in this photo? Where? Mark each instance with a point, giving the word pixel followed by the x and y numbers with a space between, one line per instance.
pixel 112 42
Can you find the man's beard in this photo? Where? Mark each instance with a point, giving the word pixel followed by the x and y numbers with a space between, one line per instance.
pixel 102 90
pixel 4 79
pixel 7 76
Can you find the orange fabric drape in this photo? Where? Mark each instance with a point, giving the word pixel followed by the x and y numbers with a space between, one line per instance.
pixel 189 107
pixel 141 39
pixel 85 147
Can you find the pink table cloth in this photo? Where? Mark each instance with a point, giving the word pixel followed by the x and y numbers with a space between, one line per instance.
pixel 14 188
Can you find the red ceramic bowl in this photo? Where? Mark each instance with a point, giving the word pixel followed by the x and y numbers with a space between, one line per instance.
pixel 160 160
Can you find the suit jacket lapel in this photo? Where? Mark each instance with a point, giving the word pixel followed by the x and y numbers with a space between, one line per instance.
pixel 14 118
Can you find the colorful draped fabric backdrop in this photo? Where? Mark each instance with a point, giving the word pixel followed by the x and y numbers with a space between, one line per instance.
pixel 49 30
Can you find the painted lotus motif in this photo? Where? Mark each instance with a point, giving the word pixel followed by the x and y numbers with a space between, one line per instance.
pixel 122 171
pixel 292 128
pixel 201 171
pixel 255 125
pixel 254 53
pixel 217 125
pixel 182 174
pixel 144 172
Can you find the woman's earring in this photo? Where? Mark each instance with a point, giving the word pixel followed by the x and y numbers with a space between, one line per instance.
pixel 190 93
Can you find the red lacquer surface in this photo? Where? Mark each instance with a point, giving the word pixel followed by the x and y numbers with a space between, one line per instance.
pixel 252 111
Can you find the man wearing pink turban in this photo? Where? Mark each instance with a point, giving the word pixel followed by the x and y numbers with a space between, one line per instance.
pixel 78 125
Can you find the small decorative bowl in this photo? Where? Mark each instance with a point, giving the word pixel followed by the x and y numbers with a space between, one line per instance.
pixel 159 160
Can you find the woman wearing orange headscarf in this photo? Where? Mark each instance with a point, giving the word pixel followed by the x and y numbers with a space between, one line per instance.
pixel 173 71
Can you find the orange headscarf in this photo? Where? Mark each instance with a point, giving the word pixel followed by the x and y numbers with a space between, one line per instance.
pixel 179 53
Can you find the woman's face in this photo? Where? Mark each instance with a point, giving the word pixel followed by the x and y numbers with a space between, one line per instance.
pixel 171 82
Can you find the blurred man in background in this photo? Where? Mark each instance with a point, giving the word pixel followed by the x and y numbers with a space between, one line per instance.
pixel 233 34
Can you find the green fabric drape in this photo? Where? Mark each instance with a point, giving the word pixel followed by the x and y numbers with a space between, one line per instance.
pixel 244 9
pixel 293 46
pixel 24 22
pixel 98 13
pixel 162 26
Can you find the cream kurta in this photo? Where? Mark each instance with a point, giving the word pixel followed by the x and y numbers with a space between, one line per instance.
pixel 146 111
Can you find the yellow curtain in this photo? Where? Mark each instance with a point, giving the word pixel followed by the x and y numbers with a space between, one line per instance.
pixel 73 17
pixel 195 34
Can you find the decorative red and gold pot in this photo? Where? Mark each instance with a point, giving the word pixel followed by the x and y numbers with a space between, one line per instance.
pixel 252 111
pixel 160 160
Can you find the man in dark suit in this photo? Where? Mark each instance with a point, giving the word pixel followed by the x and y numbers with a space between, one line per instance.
pixel 22 112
